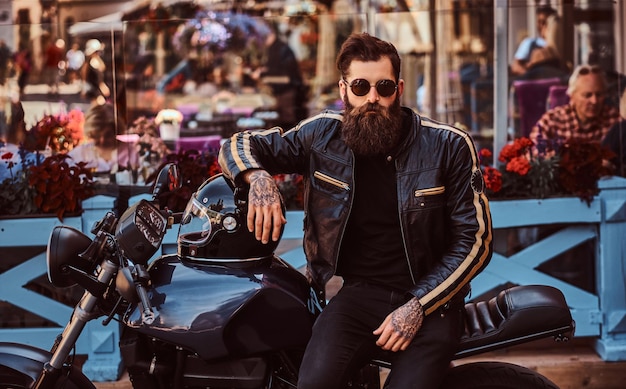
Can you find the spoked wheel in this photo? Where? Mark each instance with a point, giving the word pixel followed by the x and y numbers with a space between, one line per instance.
pixel 495 375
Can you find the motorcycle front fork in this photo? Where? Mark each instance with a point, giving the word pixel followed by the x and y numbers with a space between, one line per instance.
pixel 83 313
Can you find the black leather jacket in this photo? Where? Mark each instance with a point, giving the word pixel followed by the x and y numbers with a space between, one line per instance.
pixel 445 218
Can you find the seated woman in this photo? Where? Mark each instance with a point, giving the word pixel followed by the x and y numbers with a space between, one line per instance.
pixel 104 153
pixel 547 62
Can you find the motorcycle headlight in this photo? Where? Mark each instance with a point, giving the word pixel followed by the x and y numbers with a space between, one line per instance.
pixel 64 247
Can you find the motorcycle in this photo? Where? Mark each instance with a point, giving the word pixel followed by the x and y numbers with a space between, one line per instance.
pixel 226 312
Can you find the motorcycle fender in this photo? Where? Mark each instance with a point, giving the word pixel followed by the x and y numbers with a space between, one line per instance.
pixel 28 360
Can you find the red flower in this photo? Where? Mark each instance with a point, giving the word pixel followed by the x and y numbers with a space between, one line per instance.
pixel 493 179
pixel 485 153
pixel 8 155
pixel 519 147
pixel 519 165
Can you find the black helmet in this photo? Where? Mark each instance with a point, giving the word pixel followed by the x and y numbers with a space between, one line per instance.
pixel 213 227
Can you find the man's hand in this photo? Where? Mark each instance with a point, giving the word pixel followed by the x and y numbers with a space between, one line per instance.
pixel 265 212
pixel 400 326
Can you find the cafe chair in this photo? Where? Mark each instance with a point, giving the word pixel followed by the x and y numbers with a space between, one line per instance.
pixel 557 95
pixel 532 97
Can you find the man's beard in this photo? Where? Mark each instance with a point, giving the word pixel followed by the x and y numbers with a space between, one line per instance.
pixel 372 129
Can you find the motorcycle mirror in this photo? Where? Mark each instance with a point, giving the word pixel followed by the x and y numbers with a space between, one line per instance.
pixel 168 180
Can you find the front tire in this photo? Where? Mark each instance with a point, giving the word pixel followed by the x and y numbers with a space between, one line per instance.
pixel 13 379
pixel 495 375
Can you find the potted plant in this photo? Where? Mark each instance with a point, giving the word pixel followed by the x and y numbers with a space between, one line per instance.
pixel 525 171
pixel 48 185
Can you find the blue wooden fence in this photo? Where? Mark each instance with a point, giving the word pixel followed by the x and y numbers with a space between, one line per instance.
pixel 600 312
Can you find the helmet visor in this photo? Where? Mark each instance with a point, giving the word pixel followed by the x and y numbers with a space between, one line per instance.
pixel 195 226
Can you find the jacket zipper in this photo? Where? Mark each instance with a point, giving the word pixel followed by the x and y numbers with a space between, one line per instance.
pixel 430 191
pixel 345 186
pixel 330 180
pixel 406 252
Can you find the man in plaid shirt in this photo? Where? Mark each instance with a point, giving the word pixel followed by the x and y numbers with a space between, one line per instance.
pixel 585 117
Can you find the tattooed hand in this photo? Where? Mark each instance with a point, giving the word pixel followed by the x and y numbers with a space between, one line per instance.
pixel 265 214
pixel 400 326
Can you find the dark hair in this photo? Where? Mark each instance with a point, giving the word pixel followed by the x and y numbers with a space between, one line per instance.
pixel 103 119
pixel 545 10
pixel 365 47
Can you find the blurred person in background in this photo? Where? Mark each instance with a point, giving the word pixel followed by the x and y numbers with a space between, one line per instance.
pixel 585 117
pixel 5 61
pixel 53 64
pixel 546 61
pixel 24 62
pixel 103 152
pixel 281 73
pixel 529 44
pixel 94 87
pixel 75 59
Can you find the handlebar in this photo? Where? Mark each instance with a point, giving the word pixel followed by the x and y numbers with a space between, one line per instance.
pixel 174 218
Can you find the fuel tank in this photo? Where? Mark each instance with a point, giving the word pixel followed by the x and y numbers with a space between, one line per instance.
pixel 234 309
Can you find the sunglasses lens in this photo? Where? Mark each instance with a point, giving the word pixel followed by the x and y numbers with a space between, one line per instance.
pixel 360 87
pixel 385 88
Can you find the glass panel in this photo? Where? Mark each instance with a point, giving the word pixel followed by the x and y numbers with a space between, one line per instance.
pixel 447 48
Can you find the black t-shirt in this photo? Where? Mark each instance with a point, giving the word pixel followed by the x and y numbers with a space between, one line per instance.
pixel 372 248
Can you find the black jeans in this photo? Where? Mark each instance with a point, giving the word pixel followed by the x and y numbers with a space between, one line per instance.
pixel 342 341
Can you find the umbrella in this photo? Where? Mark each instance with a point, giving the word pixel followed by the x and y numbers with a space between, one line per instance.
pixel 221 30
pixel 106 23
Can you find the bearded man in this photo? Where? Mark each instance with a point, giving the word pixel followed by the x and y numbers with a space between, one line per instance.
pixel 394 204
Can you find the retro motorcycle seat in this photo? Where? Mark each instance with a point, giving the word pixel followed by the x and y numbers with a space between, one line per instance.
pixel 515 315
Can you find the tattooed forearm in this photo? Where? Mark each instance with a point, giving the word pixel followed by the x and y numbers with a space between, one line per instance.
pixel 407 319
pixel 263 189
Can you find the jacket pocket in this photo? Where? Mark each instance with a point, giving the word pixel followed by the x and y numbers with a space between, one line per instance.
pixel 427 198
pixel 330 183
pixel 430 191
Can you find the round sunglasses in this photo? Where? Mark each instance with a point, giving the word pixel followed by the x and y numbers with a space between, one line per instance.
pixel 361 87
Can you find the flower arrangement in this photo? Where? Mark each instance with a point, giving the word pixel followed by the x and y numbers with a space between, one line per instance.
pixel 49 185
pixel 570 168
pixel 168 116
pixel 149 140
pixel 195 167
pixel 56 132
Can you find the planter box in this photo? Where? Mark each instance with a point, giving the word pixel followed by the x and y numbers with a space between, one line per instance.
pixel 532 212
pixel 32 231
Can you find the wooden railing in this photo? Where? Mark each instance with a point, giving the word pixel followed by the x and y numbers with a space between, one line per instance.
pixel 30 236
pixel 599 310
